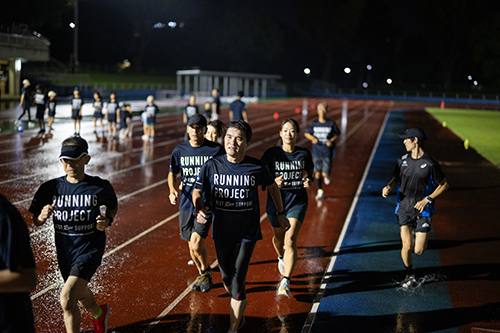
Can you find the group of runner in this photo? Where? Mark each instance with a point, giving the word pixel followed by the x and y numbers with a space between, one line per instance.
pixel 219 188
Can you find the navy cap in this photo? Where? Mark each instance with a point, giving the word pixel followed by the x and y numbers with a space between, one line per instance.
pixel 414 132
pixel 197 119
pixel 72 152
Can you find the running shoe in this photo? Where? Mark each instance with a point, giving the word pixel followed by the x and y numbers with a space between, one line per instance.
pixel 320 194
pixel 326 180
pixel 409 281
pixel 197 284
pixel 206 281
pixel 101 324
pixel 284 288
pixel 281 266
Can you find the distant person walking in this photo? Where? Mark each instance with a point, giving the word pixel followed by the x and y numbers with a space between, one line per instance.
pixel 51 108
pixel 419 181
pixel 215 107
pixel 82 207
pixel 228 188
pixel 40 108
pixel 188 158
pixel 112 114
pixel 292 168
pixel 150 115
pixel 76 110
pixel 238 109
pixel 190 110
pixel 322 132
pixel 98 115
pixel 17 272
pixel 25 101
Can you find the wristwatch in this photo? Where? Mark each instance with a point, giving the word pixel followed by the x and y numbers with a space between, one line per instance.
pixel 429 199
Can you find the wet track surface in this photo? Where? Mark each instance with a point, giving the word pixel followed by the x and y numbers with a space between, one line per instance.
pixel 145 276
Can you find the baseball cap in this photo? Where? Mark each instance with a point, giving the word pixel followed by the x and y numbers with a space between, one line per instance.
pixel 26 81
pixel 414 132
pixel 72 152
pixel 197 119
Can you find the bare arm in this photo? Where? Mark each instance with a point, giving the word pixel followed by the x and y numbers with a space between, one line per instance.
pixel 387 189
pixel 275 193
pixel 230 115
pixel 198 204
pixel 442 187
pixel 245 117
pixel 46 212
pixel 311 138
pixel 23 280
pixel 171 185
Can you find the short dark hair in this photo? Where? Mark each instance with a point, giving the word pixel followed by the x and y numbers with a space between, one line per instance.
pixel 76 141
pixel 242 126
pixel 240 93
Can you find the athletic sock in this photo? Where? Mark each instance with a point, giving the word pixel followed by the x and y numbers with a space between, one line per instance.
pixel 99 314
pixel 409 270
pixel 206 270
pixel 319 181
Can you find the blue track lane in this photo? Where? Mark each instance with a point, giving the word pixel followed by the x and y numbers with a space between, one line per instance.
pixel 362 292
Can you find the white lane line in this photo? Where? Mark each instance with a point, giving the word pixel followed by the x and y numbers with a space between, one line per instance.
pixel 319 295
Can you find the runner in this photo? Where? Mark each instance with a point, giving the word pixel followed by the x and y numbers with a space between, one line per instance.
pixel 112 114
pixel 420 181
pixel 187 158
pixel 288 163
pixel 215 108
pixel 238 109
pixel 190 110
pixel 150 116
pixel 227 187
pixel 40 108
pixel 17 272
pixel 51 107
pixel 98 112
pixel 25 101
pixel 81 207
pixel 322 132
pixel 76 110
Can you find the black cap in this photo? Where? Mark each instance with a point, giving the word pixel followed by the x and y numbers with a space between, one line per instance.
pixel 72 152
pixel 197 119
pixel 414 132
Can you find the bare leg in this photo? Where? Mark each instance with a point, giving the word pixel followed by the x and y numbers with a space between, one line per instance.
pixel 76 291
pixel 198 251
pixel 407 249
pixel 291 250
pixel 236 310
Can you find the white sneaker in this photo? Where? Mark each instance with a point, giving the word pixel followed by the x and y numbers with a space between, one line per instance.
pixel 409 282
pixel 284 288
pixel 281 266
pixel 326 180
pixel 320 194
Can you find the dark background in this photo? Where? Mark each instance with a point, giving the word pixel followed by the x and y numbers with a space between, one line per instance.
pixel 414 42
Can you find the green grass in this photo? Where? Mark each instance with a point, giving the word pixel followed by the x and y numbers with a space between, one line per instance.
pixel 481 128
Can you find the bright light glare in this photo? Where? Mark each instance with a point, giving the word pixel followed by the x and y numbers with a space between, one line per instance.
pixel 469 77
pixel 476 83
pixel 369 67
pixel 307 71
pixel 18 65
pixel 365 85
pixel 347 70
pixel 159 25
pixel 172 24
pixel 389 81
pixel 72 25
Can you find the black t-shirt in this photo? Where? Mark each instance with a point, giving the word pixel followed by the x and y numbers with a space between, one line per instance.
pixel 231 191
pixel 291 166
pixel 16 314
pixel 77 207
pixel 417 179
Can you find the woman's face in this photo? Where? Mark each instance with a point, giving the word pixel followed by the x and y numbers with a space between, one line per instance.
pixel 211 134
pixel 288 134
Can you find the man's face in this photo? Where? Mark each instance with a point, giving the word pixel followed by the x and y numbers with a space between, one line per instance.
pixel 195 133
pixel 75 168
pixel 235 143
pixel 76 93
pixel 215 93
pixel 321 109
pixel 410 143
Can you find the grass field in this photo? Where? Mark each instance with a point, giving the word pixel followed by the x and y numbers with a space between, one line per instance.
pixel 481 128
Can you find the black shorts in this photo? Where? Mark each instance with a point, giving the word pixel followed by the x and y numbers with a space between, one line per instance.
pixel 75 115
pixel 82 270
pixel 52 113
pixel 418 223
pixel 188 225
pixel 40 111
pixel 112 117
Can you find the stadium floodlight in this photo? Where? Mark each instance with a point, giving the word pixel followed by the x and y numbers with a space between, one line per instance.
pixel 307 71
pixel 172 24
pixel 159 25
pixel 475 83
pixel 369 67
pixel 365 85
pixel 469 77
pixel 72 25
pixel 347 70
pixel 389 81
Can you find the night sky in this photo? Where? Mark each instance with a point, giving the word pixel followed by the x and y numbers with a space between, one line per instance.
pixel 417 43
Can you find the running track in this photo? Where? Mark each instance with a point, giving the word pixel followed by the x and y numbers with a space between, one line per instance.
pixel 145 277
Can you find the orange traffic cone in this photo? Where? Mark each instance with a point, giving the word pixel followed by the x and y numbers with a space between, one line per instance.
pixel 442 105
